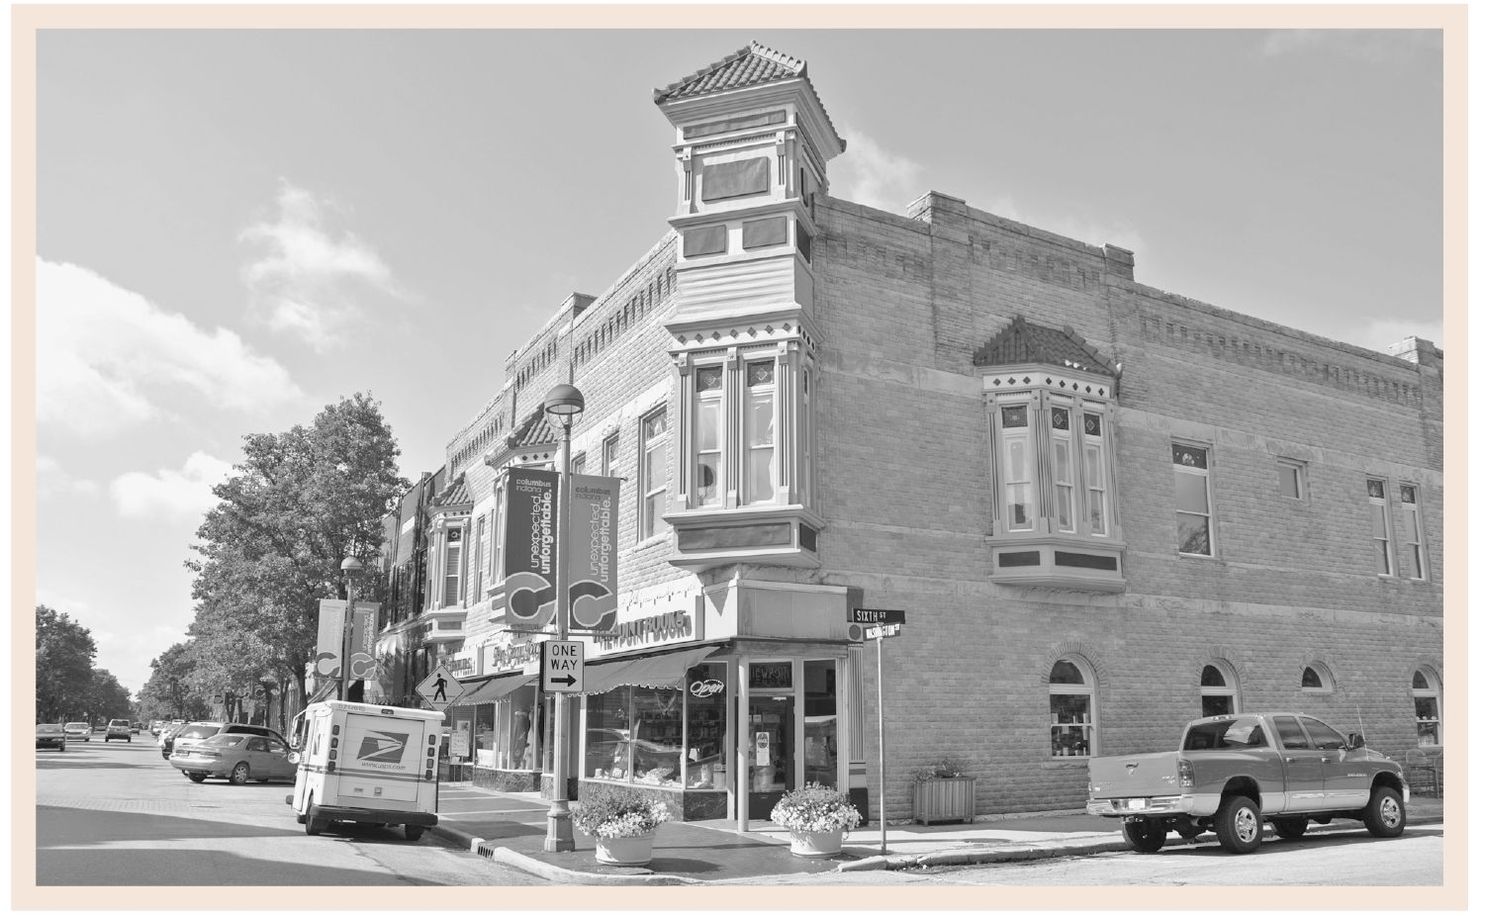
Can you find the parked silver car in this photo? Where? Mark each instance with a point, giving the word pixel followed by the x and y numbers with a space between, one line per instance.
pixel 236 757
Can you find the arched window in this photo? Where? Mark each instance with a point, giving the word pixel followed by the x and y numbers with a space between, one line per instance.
pixel 1218 692
pixel 1071 692
pixel 1316 679
pixel 1426 707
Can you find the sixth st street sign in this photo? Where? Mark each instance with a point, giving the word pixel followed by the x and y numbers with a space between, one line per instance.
pixel 877 617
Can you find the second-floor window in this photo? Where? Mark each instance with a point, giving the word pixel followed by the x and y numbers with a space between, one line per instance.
pixel 452 565
pixel 1193 499
pixel 1410 534
pixel 479 557
pixel 1052 449
pixel 1376 496
pixel 653 474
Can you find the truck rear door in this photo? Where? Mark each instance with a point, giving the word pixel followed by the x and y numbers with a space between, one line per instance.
pixel 380 761
pixel 1304 768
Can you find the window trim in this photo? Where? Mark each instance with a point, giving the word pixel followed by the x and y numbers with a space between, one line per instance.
pixel 1229 687
pixel 1206 476
pixel 1322 674
pixel 1435 692
pixel 1416 546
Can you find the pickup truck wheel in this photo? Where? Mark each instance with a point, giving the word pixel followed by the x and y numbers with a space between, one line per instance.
pixel 1239 824
pixel 1144 836
pixel 1384 814
pixel 1290 828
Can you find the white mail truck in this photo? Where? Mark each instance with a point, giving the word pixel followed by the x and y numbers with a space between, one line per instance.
pixel 366 763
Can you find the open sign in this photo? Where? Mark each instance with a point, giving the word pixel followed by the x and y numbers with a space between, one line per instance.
pixel 707 688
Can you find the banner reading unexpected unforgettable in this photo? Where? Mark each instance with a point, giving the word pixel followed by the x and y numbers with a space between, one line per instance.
pixel 531 556
pixel 331 636
pixel 592 563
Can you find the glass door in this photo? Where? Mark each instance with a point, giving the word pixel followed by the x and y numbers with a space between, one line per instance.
pixel 770 737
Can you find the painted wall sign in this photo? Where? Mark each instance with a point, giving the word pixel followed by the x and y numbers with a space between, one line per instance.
pixel 509 658
pixel 531 552
pixel 667 627
pixel 592 563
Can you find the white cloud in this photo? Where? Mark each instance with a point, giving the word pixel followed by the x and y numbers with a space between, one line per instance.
pixel 305 281
pixel 106 355
pixel 168 493
pixel 869 175
pixel 54 480
pixel 1368 45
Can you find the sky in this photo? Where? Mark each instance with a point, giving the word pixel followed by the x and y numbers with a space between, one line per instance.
pixel 238 227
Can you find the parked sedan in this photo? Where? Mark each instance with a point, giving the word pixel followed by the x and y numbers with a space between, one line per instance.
pixel 78 731
pixel 50 735
pixel 236 757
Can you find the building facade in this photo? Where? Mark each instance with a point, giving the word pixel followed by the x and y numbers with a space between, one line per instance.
pixel 1104 509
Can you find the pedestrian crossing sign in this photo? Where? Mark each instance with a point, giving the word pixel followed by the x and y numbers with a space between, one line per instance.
pixel 440 688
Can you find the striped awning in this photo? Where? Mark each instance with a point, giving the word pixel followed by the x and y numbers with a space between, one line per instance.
pixel 495 688
pixel 668 670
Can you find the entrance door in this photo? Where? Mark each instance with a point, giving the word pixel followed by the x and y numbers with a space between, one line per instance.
pixel 770 752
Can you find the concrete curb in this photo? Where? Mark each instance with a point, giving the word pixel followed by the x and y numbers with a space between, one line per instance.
pixel 1004 852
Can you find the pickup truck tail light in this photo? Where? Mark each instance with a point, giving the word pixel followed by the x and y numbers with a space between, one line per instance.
pixel 1185 774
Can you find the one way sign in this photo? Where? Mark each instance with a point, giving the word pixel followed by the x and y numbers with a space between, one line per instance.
pixel 562 666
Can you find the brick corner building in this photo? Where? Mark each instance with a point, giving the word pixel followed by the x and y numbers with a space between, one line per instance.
pixel 1104 509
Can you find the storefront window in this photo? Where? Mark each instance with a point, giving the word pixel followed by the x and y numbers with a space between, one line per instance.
pixel 607 754
pixel 660 736
pixel 706 727
pixel 484 736
pixel 518 746
pixel 821 726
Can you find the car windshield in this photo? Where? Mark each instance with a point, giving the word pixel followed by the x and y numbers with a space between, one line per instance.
pixel 77 725
pixel 119 722
pixel 198 731
pixel 224 740
pixel 44 727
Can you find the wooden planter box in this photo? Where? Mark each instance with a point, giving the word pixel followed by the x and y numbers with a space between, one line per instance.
pixel 944 799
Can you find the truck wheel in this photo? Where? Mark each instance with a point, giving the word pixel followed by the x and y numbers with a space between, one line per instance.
pixel 1290 828
pixel 312 824
pixel 1144 836
pixel 239 775
pixel 1239 824
pixel 414 832
pixel 1384 814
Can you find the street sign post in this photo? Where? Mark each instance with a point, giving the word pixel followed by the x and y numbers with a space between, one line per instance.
pixel 562 666
pixel 877 616
pixel 440 688
pixel 891 629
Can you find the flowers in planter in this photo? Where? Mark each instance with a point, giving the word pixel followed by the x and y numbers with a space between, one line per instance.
pixel 620 813
pixel 815 808
pixel 943 768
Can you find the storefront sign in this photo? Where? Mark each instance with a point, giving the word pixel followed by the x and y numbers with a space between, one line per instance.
pixel 661 628
pixel 510 658
pixel 771 675
pixel 462 664
pixel 531 554
pixel 592 566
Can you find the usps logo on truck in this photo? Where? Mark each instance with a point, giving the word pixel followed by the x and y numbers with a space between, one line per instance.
pixel 382 747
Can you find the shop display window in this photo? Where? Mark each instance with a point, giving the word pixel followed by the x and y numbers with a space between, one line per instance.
pixel 484 736
pixel 660 736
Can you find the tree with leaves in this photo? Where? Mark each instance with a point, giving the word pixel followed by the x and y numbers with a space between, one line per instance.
pixel 64 665
pixel 169 694
pixel 300 503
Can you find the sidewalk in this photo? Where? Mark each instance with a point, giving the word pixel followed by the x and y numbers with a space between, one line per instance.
pixel 510 828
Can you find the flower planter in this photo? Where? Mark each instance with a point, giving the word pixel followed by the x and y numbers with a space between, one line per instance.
pixel 813 845
pixel 626 850
pixel 950 798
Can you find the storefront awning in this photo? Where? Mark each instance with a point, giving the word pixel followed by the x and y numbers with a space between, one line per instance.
pixel 495 688
pixel 667 670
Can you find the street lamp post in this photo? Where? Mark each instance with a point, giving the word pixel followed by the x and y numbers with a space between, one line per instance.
pixel 349 566
pixel 565 403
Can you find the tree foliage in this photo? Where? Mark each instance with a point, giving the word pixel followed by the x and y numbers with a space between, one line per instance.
pixel 300 503
pixel 64 666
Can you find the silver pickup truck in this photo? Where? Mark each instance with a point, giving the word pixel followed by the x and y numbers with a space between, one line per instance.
pixel 1234 772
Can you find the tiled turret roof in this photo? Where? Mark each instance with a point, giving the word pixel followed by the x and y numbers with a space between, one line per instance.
pixel 1023 342
pixel 534 432
pixel 751 66
pixel 454 495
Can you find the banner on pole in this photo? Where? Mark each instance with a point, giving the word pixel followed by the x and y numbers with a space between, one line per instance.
pixel 592 561
pixel 329 638
pixel 531 554
pixel 363 642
